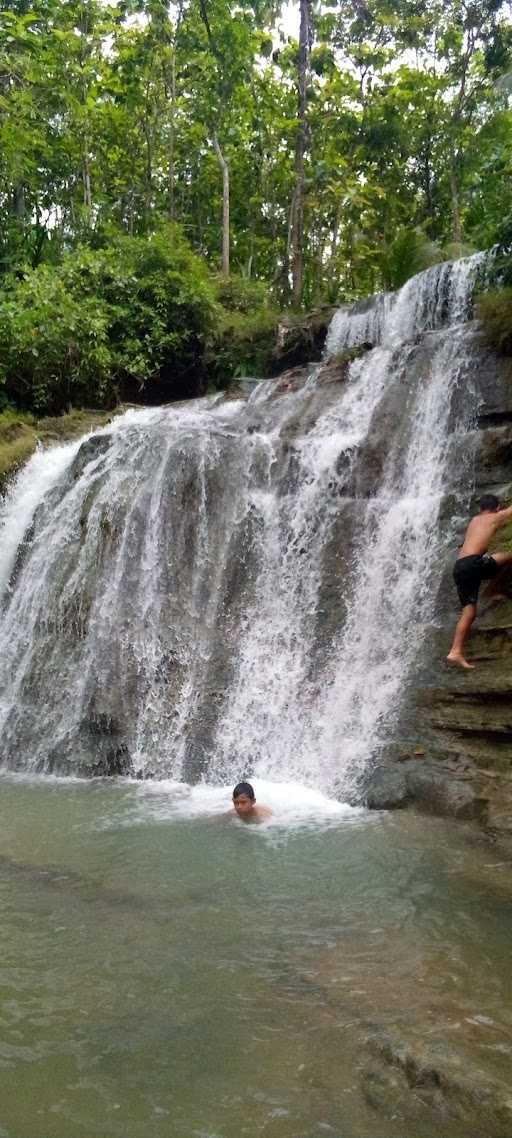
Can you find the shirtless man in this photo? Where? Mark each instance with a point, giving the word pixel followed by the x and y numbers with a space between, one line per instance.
pixel 474 565
pixel 244 802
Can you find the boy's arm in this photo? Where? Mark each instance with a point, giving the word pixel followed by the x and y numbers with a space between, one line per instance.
pixel 504 515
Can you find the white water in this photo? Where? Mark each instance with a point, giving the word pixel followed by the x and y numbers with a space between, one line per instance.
pixel 292 804
pixel 212 594
pixel 394 579
pixel 433 299
pixel 33 482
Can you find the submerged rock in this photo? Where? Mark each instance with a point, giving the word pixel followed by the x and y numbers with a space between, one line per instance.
pixel 414 1076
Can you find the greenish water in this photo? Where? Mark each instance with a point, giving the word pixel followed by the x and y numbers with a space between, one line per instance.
pixel 169 972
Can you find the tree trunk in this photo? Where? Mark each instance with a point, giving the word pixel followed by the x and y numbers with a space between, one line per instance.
pixel 225 207
pixel 297 218
pixel 454 188
pixel 86 176
pixel 19 201
pixel 172 138
pixel 171 88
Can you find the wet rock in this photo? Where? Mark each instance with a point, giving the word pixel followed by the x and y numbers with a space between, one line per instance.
pixel 414 1076
pixel 435 790
pixel 495 457
pixel 92 448
pixel 463 720
pixel 97 750
pixel 387 789
pixel 292 379
pixel 432 786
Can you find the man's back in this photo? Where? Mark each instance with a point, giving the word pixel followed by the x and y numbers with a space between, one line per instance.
pixel 480 532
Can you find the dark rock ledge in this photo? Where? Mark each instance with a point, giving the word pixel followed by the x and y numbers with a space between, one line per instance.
pixel 460 762
pixel 453 751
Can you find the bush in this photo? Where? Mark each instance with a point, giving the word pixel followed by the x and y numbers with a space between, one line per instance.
pixel 494 309
pixel 498 270
pixel 240 294
pixel 53 345
pixel 130 319
pixel 243 345
pixel 409 253
pixel 457 249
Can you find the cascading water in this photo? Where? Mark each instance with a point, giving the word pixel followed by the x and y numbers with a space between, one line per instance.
pixel 229 587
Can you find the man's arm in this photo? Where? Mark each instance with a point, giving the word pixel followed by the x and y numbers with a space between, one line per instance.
pixel 504 516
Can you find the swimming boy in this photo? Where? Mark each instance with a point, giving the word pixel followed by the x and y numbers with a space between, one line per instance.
pixel 244 803
pixel 474 565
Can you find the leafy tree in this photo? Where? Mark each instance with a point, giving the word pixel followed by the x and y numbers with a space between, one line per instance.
pixel 134 317
pixel 326 168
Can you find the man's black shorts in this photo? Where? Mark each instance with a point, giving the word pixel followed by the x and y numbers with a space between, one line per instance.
pixel 468 574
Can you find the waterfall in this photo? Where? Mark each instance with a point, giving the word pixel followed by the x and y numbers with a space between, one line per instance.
pixel 233 586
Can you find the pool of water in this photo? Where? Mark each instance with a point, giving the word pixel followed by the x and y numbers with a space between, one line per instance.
pixel 166 970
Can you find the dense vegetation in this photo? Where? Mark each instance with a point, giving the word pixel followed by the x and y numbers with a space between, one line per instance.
pixel 172 176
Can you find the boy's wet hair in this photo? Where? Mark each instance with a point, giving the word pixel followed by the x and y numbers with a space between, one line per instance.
pixel 244 788
pixel 489 502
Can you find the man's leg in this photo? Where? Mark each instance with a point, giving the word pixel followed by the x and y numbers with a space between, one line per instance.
pixel 456 653
pixel 495 589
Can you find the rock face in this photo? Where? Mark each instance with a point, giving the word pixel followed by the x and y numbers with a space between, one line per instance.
pixel 455 753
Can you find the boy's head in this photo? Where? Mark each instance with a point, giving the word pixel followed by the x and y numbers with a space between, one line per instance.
pixel 489 502
pixel 244 799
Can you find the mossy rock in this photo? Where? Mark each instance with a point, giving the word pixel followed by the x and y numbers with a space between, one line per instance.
pixel 301 338
pixel 14 451
pixel 494 310
pixel 20 434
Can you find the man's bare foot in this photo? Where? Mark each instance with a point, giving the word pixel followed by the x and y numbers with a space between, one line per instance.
pixel 458 661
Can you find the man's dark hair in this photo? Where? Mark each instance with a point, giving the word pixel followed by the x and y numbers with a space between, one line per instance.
pixel 244 788
pixel 489 502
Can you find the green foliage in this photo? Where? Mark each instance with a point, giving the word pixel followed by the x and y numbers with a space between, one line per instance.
pixel 242 345
pixel 499 272
pixel 494 309
pixel 241 294
pixel 106 322
pixel 110 127
pixel 53 344
pixel 456 249
pixel 410 252
pixel 245 330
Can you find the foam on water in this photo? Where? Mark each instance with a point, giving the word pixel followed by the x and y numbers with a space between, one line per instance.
pixel 292 804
